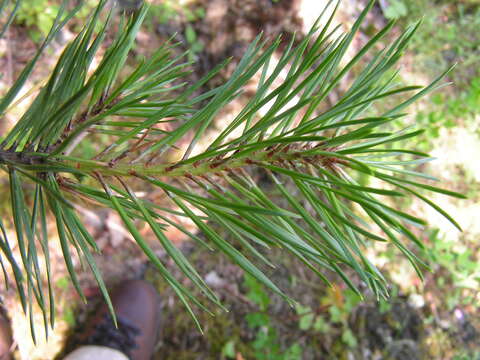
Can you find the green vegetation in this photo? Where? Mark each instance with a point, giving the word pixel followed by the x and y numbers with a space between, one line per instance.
pixel 449 34
pixel 447 111
pixel 39 15
pixel 459 268
pixel 266 345
pixel 172 11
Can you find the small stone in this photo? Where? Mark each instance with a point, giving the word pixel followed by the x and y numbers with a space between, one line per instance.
pixel 212 279
pixel 416 301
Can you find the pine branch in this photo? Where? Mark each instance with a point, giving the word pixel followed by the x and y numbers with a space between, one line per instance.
pixel 310 152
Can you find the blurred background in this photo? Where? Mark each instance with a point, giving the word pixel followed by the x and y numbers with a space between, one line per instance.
pixel 438 318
